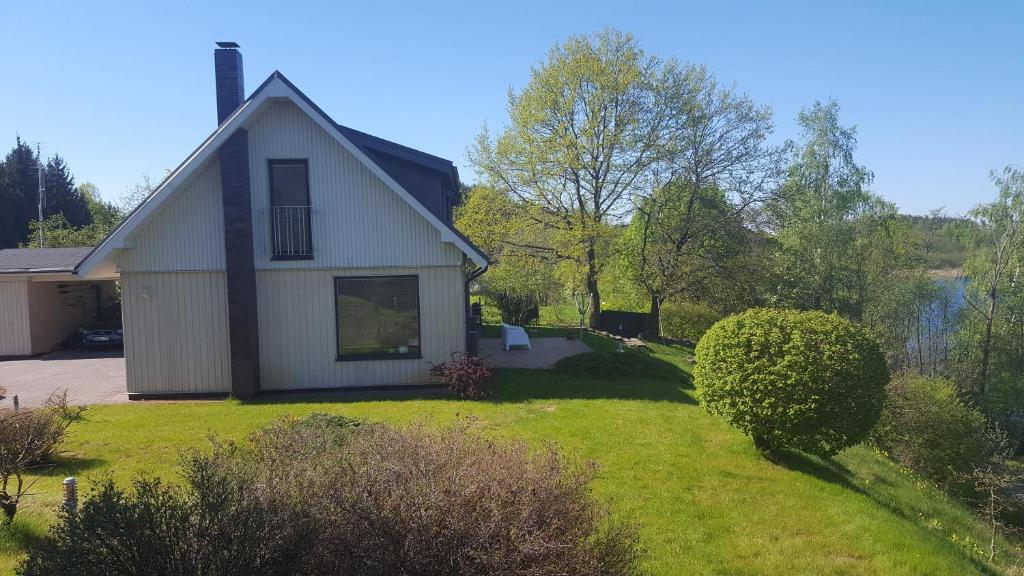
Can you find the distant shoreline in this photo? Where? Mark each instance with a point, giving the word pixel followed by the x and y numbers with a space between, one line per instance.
pixel 945 273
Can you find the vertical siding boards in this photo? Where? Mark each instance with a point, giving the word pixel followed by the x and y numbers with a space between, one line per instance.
pixel 298 343
pixel 15 337
pixel 357 221
pixel 187 234
pixel 176 340
pixel 176 332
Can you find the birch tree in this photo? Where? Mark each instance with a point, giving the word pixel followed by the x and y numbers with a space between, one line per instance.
pixel 996 238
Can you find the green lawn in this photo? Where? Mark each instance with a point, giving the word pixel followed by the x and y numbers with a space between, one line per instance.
pixel 704 500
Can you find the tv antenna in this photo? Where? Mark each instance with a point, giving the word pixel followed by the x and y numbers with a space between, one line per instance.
pixel 42 195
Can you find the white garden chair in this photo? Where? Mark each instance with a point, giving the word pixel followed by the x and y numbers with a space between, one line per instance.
pixel 514 336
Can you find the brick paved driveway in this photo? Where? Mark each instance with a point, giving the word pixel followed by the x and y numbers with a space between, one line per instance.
pixel 94 377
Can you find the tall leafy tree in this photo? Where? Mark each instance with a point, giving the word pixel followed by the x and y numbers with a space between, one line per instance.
pixel 720 166
pixel 489 217
pixel 62 196
pixel 995 293
pixel 103 215
pixel 583 138
pixel 60 233
pixel 815 216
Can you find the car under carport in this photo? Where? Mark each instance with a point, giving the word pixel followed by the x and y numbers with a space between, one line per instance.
pixel 42 301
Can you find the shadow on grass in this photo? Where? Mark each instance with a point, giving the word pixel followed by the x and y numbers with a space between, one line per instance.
pixel 64 465
pixel 828 470
pixel 619 366
pixel 512 385
pixel 525 387
pixel 629 375
pixel 376 394
pixel 589 377
pixel 833 472
pixel 20 535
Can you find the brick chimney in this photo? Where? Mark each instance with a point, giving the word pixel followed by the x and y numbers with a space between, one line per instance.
pixel 227 66
pixel 239 261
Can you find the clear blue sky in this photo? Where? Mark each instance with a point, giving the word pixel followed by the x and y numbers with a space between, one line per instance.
pixel 125 89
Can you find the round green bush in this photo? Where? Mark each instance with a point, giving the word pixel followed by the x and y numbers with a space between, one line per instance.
pixel 928 428
pixel 789 379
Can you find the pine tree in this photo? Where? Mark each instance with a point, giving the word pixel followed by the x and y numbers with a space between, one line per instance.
pixel 18 190
pixel 62 197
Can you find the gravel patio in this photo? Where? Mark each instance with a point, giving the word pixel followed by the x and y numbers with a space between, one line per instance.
pixel 546 351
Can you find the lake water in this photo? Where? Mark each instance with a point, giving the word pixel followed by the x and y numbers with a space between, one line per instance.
pixel 928 343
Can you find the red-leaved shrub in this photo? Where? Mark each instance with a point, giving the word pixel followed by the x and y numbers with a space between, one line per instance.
pixel 467 376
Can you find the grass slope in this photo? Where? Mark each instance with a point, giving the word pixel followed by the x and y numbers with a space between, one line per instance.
pixel 705 501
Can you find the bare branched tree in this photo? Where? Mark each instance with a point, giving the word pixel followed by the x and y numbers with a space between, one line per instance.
pixel 28 439
pixel 996 482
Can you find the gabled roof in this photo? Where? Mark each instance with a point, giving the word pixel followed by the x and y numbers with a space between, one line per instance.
pixel 277 87
pixel 40 260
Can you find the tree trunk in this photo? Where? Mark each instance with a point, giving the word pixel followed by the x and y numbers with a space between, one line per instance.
pixel 921 351
pixel 986 353
pixel 9 507
pixel 653 328
pixel 594 321
pixel 986 345
pixel 763 445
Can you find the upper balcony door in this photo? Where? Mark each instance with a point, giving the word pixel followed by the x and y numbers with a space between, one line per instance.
pixel 290 214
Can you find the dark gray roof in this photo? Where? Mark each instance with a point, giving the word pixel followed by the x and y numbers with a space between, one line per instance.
pixel 430 179
pixel 41 260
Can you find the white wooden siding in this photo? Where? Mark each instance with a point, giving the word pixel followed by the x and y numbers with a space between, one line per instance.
pixel 175 295
pixel 187 234
pixel 298 331
pixel 176 332
pixel 15 338
pixel 357 220
pixel 54 316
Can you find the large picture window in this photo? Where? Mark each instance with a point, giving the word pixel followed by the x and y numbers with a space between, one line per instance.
pixel 290 221
pixel 378 317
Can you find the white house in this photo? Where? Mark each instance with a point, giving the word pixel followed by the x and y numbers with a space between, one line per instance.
pixel 288 252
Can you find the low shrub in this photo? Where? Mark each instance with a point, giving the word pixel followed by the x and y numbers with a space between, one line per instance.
pixel 369 500
pixel 803 380
pixel 687 320
pixel 422 502
pixel 467 376
pixel 28 439
pixel 218 523
pixel 516 309
pixel 928 428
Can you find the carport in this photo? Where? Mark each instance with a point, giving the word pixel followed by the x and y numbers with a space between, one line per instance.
pixel 42 302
